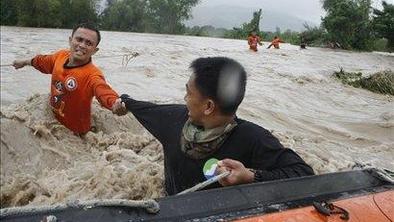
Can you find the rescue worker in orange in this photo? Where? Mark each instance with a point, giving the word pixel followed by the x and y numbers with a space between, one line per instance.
pixel 75 80
pixel 253 40
pixel 275 42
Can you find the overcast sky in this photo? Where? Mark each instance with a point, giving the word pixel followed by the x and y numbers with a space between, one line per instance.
pixel 309 10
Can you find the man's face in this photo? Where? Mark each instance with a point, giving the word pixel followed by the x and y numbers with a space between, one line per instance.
pixel 83 44
pixel 195 102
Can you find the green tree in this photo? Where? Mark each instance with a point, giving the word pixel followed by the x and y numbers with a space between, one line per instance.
pixel 254 25
pixel 166 16
pixel 206 30
pixel 8 14
pixel 291 37
pixel 160 16
pixel 246 28
pixel 347 22
pixel 48 13
pixel 315 36
pixel 383 23
pixel 78 11
pixel 38 13
pixel 126 15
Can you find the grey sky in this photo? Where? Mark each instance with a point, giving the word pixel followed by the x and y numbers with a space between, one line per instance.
pixel 309 10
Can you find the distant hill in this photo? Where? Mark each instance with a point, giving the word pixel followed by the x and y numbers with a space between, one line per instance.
pixel 226 16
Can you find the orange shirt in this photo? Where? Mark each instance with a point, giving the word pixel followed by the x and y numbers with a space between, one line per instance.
pixel 72 89
pixel 275 42
pixel 253 40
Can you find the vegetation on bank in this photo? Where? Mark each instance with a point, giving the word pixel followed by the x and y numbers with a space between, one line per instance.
pixel 348 24
pixel 154 16
pixel 380 82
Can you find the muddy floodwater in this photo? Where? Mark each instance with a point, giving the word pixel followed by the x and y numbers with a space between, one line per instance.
pixel 289 92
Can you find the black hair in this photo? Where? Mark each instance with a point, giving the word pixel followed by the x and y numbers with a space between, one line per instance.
pixel 89 26
pixel 221 79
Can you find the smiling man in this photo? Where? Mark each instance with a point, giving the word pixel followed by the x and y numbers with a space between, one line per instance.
pixel 207 127
pixel 75 80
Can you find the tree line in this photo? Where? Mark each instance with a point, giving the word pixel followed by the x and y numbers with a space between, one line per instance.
pixel 48 13
pixel 348 24
pixel 354 24
pixel 156 16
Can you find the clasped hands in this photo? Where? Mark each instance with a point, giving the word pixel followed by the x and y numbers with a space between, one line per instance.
pixel 119 108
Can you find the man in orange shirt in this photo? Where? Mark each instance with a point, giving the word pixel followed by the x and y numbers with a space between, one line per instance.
pixel 75 80
pixel 275 42
pixel 253 40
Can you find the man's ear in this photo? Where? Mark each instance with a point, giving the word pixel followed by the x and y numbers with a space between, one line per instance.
pixel 96 50
pixel 69 40
pixel 210 107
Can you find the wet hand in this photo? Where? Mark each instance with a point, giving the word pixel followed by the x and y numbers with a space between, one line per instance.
pixel 119 108
pixel 239 174
pixel 17 64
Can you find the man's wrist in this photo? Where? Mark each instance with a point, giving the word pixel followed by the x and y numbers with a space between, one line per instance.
pixel 257 175
pixel 252 175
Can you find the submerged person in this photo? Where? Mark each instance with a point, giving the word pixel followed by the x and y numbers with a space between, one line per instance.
pixel 253 40
pixel 303 43
pixel 207 127
pixel 75 80
pixel 275 42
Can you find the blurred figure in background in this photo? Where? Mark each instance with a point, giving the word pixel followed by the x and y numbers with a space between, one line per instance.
pixel 253 40
pixel 275 42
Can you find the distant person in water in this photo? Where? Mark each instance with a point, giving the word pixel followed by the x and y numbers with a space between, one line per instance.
pixel 75 80
pixel 302 44
pixel 208 127
pixel 253 40
pixel 275 42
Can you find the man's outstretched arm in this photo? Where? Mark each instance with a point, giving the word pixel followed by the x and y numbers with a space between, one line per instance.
pixel 159 120
pixel 106 96
pixel 43 63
